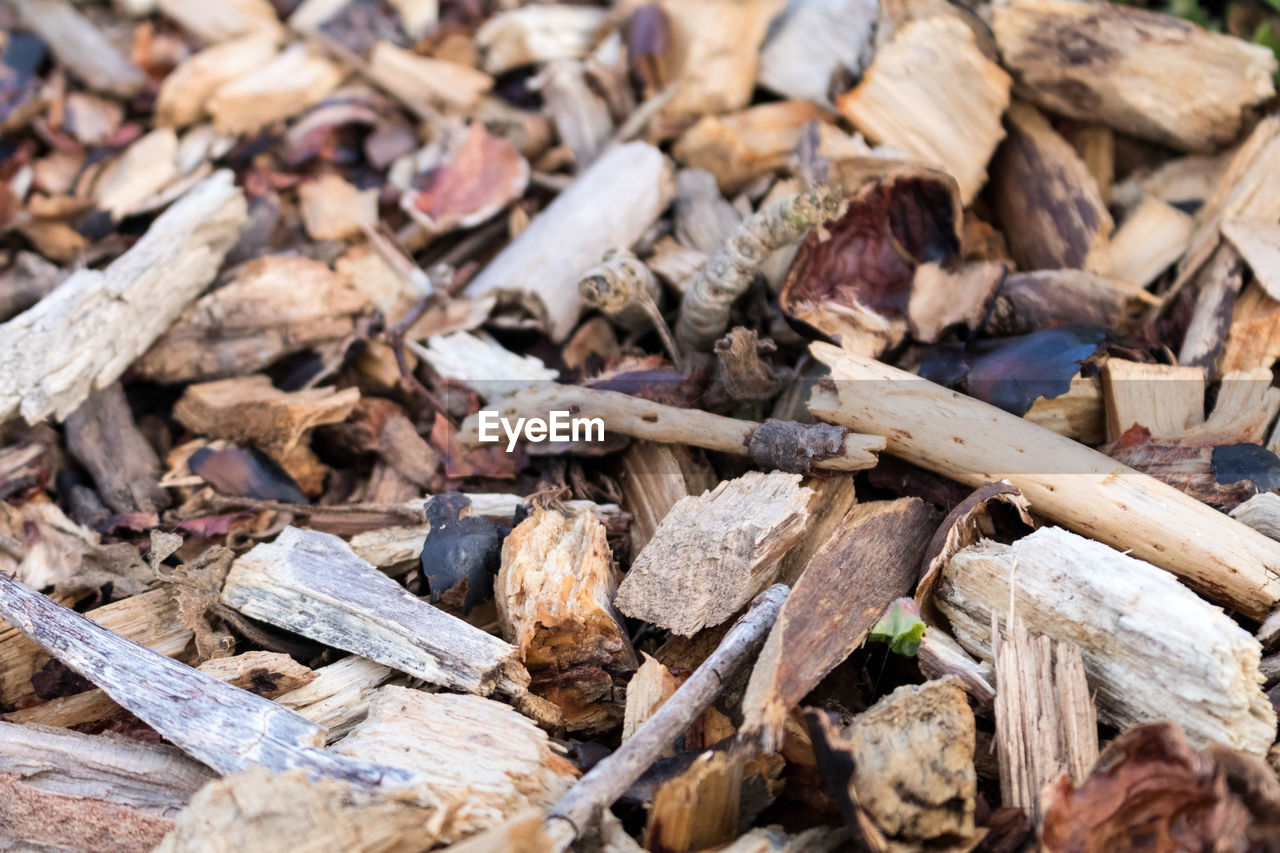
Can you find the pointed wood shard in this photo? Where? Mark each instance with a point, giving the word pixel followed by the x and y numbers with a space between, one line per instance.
pixel 871 558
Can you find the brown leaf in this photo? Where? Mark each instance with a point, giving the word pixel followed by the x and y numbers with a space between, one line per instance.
pixel 1151 791
pixel 472 183
pixel 195 586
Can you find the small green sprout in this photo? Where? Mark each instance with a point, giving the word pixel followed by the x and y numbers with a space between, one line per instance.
pixel 901 627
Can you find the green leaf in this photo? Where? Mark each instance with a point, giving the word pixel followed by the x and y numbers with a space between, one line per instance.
pixel 901 627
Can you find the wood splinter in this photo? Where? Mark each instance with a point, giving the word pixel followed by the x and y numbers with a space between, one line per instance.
pixel 782 445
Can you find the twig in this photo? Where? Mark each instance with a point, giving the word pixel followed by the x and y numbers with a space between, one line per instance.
pixel 621 282
pixel 727 274
pixel 411 514
pixel 773 444
pixel 579 809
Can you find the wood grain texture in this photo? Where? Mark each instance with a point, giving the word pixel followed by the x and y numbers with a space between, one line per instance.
pixel 1151 75
pixel 224 727
pixel 87 332
pixel 1153 650
pixel 972 442
pixel 312 583
pixel 872 558
pixel 712 554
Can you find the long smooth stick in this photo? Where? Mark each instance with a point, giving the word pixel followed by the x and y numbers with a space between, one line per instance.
pixel 578 809
pixel 1072 485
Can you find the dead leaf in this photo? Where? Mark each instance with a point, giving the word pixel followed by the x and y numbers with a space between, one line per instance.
pixel 195 586
pixel 471 183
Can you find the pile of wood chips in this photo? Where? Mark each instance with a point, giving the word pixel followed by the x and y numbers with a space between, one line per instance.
pixel 928 498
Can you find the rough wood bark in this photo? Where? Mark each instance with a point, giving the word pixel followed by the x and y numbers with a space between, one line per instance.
pixel 905 767
pixel 1046 724
pixel 608 206
pixel 872 558
pixel 153 778
pixel 478 753
pixel 579 809
pixel 222 726
pixel 251 409
pixel 150 619
pixel 34 819
pixel 1073 485
pixel 1153 650
pixel 555 604
pixel 1053 214
pixel 81 47
pixel 1026 302
pixel 832 498
pixel 312 583
pixel 782 445
pixel 1150 75
pixel 87 332
pixel 933 93
pixel 102 436
pixel 712 554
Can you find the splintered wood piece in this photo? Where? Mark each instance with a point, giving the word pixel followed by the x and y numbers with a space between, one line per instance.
pixel 581 116
pixel 610 205
pixel 103 437
pixel 579 809
pixel 1150 75
pixel 831 500
pixel 1217 284
pixel 1245 408
pixel 145 168
pixel 534 34
pixel 338 697
pixel 713 51
pixel 783 445
pixel 1167 400
pixel 87 332
pixel 273 306
pixel 1152 237
pixel 312 583
pixel 221 21
pixel 481 363
pixel 1258 242
pixel 653 478
pixel 286 812
pixel 222 726
pixel 933 93
pixel 1253 339
pixel 712 554
pixel 742 146
pixel 1054 216
pixel 972 442
pixel 698 809
pixel 1046 724
pixel 81 47
pixel 554 594
pixel 294 80
pixel 151 777
pixel 872 558
pixel 413 79
pixel 942 298
pixel 333 209
pixel 1153 650
pixel 462 748
pixel 905 766
pixel 184 94
pixel 1248 188
pixel 650 686
pixel 1262 513
pixel 150 619
pixel 251 409
pixel 1079 414
pixel 814 44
